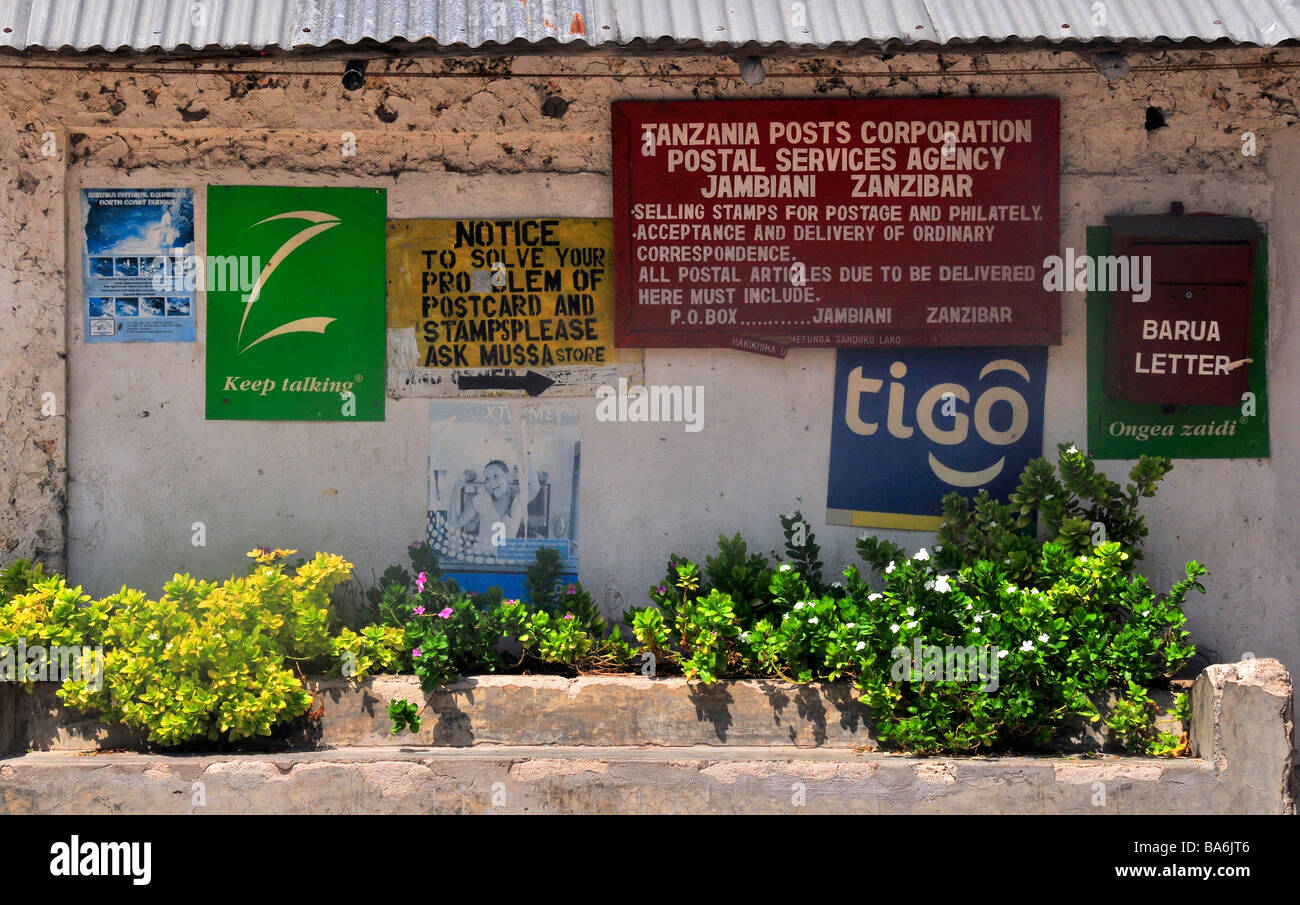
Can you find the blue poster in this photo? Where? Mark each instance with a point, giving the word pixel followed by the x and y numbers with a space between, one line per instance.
pixel 503 481
pixel 913 425
pixel 138 269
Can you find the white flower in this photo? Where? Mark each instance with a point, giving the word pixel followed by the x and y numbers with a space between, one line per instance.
pixel 1073 450
pixel 860 645
pixel 153 636
pixel 744 636
pixel 836 584
pixel 921 555
pixel 1001 654
pixel 785 567
pixel 1146 612
pixel 1043 639
pixel 976 630
pixel 996 616
pixel 1012 588
pixel 929 585
pixel 911 625
pixel 850 625
pixel 979 617
pixel 911 611
pixel 1026 646
pixel 812 620
pixel 862 536
pixel 941 584
pixel 968 604
pixel 873 596
pixel 889 569
pixel 799 605
pixel 894 628
pixel 938 548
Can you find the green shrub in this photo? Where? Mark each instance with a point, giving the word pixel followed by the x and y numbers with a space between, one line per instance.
pixel 814 638
pixel 19 578
pixel 405 715
pixel 976 661
pixel 448 633
pixel 578 638
pixel 542 583
pixel 208 660
pixel 802 551
pixel 50 613
pixel 691 629
pixel 1076 510
pixel 742 576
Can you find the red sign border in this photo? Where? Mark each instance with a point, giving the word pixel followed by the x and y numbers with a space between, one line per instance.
pixel 623 143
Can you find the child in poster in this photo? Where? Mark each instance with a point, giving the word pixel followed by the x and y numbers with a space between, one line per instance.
pixel 503 481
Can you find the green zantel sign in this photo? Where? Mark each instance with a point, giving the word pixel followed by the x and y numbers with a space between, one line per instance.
pixel 296 297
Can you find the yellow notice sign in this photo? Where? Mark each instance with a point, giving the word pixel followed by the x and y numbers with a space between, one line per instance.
pixel 527 294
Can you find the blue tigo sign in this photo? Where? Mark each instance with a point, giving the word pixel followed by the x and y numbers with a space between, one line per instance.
pixel 912 425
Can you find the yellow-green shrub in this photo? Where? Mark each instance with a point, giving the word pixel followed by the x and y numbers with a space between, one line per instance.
pixel 213 660
pixel 52 614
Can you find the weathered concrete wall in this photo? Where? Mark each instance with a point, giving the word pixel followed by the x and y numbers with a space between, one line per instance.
pixel 144 465
pixel 33 341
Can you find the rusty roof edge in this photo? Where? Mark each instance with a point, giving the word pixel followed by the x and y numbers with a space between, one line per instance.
pixel 151 26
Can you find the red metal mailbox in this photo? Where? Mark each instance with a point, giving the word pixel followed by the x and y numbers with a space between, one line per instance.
pixel 1178 315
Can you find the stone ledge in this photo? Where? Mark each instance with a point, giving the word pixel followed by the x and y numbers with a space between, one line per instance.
pixel 598 710
pixel 667 746
pixel 602 780
pixel 548 710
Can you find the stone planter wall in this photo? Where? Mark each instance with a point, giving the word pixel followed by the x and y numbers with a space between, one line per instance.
pixel 549 710
pixel 599 745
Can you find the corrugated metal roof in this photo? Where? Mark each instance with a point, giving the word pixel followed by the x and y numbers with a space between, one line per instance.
pixel 288 24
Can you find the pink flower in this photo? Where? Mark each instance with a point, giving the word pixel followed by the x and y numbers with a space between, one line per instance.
pixel 419 611
pixel 663 590
pixel 415 653
pixel 571 589
pixel 414 545
pixel 446 613
pixel 568 615
pixel 421 581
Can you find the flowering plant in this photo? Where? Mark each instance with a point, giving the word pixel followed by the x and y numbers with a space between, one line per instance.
pixel 977 661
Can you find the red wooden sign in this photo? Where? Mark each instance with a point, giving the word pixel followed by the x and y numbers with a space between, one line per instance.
pixel 911 222
pixel 1189 343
